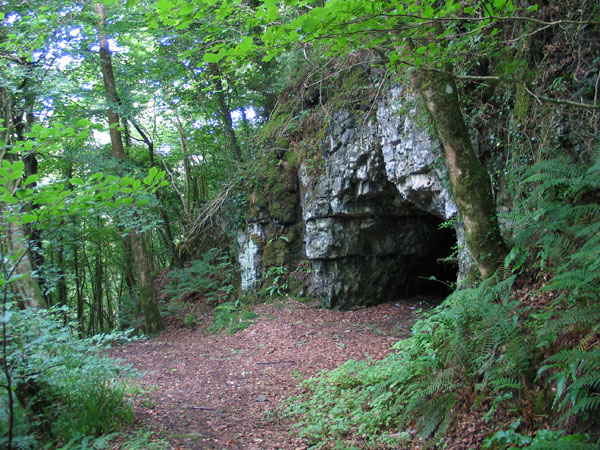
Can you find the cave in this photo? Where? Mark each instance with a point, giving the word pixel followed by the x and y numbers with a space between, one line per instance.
pixel 434 273
pixel 396 251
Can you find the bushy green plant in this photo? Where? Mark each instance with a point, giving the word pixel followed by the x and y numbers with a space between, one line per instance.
pixel 211 276
pixel 190 320
pixel 232 317
pixel 275 281
pixel 564 206
pixel 67 391
pixel 543 439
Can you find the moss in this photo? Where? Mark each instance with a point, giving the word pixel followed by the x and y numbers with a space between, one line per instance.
pixel 284 210
pixel 522 103
pixel 274 254
pixel 355 90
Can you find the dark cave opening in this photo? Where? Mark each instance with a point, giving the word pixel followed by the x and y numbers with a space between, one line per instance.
pixel 435 270
pixel 395 252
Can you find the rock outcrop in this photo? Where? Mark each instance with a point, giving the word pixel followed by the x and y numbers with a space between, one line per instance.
pixel 369 212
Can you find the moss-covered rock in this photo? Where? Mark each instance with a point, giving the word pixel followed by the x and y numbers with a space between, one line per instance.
pixel 274 253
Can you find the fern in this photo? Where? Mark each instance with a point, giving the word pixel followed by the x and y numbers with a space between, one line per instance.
pixel 577 378
pixel 434 414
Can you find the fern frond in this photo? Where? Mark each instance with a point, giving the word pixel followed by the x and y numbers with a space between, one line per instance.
pixel 504 383
pixel 589 380
pixel 582 405
pixel 433 413
pixel 574 279
pixel 583 318
pixel 562 445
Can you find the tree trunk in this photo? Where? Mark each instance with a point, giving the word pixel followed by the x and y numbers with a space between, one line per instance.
pixel 144 282
pixel 78 292
pixel 225 113
pixel 98 285
pixel 110 87
pixel 61 298
pixel 468 177
pixel 25 287
pixel 143 266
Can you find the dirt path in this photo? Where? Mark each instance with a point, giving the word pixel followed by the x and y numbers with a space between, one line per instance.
pixel 216 391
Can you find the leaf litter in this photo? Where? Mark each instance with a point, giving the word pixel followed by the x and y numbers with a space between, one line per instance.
pixel 217 391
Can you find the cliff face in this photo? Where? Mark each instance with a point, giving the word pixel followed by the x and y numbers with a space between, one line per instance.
pixel 365 213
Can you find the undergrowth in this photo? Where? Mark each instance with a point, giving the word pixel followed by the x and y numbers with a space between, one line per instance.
pixel 232 316
pixel 528 364
pixel 66 394
pixel 210 277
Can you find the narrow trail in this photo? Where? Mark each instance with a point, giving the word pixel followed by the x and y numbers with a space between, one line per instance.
pixel 206 391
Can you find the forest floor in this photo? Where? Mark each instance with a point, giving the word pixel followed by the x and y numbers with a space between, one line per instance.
pixel 218 391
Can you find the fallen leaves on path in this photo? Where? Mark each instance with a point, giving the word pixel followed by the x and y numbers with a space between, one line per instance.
pixel 208 391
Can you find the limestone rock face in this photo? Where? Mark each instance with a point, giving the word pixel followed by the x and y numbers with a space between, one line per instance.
pixel 250 256
pixel 412 161
pixel 370 209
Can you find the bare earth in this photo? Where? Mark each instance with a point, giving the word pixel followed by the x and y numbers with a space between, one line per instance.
pixel 208 391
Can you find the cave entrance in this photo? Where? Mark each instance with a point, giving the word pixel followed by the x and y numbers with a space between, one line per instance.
pixel 434 270
pixel 382 249
pixel 399 256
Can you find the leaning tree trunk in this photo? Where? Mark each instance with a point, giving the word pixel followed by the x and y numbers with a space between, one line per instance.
pixel 225 113
pixel 142 260
pixel 25 287
pixel 29 294
pixel 468 177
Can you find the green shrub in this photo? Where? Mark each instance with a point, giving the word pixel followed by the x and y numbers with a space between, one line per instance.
pixel 67 391
pixel 211 276
pixel 190 320
pixel 232 317
pixel 275 281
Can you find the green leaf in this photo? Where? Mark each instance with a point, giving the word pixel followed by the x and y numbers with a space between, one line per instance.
pixel 126 181
pixel 499 3
pixel 28 218
pixel 212 58
pixel 96 176
pixel 187 9
pixel 164 5
pixel 245 46
pixel 428 12
pixel 9 199
pixel 309 24
pixel 31 179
